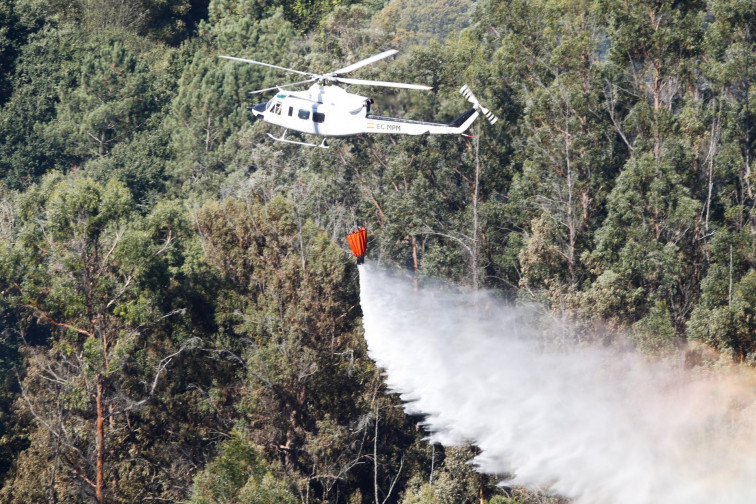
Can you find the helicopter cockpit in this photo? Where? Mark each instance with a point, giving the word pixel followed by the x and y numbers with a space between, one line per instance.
pixel 260 108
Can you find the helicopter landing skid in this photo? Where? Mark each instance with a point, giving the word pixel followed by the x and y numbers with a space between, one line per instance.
pixel 282 138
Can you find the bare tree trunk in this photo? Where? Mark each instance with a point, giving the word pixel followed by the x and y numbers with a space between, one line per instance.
pixel 657 134
pixel 729 292
pixel 294 429
pixel 571 226
pixel 207 134
pixel 52 496
pixel 747 149
pixel 475 247
pixel 414 261
pixel 100 481
pixel 375 466
pixel 375 458
pixel 712 151
pixel 433 463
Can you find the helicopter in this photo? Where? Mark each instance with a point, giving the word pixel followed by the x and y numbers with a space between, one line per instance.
pixel 328 110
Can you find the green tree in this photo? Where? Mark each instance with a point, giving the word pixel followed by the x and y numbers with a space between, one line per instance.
pixel 455 481
pixel 723 319
pixel 164 20
pixel 45 65
pixel 654 333
pixel 566 158
pixel 644 244
pixel 730 47
pixel 654 46
pixel 211 105
pixel 420 21
pixel 239 474
pixel 309 394
pixel 140 164
pixel 110 104
pixel 86 266
pixel 11 335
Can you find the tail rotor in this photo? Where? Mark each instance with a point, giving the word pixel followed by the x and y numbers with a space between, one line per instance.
pixel 467 93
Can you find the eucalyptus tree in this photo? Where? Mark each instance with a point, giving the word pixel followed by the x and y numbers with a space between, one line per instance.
pixel 730 47
pixel 239 473
pixel 724 317
pixel 86 266
pixel 654 46
pixel 562 155
pixel 642 248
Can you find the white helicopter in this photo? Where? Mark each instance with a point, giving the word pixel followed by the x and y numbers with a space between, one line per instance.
pixel 328 110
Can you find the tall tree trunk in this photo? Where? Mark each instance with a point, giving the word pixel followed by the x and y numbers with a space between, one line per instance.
pixel 100 482
pixel 475 246
pixel 207 134
pixel 101 149
pixel 747 147
pixel 294 430
pixel 375 458
pixel 414 261
pixel 571 225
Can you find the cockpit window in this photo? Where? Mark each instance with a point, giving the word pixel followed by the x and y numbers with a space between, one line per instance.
pixel 277 108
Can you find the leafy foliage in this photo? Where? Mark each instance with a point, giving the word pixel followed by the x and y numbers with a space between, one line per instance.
pixel 166 270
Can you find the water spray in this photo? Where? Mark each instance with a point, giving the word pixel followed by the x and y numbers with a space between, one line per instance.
pixel 598 425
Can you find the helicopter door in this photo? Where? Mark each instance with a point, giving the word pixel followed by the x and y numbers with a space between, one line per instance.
pixel 277 108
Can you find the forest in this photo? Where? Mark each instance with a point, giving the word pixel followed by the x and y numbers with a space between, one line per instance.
pixel 179 311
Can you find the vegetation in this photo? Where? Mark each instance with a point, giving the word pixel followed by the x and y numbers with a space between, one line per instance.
pixel 179 317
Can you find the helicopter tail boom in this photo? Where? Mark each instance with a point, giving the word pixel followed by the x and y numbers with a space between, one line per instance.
pixel 395 125
pixel 380 124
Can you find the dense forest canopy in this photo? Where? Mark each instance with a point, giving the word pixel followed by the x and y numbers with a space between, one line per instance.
pixel 179 316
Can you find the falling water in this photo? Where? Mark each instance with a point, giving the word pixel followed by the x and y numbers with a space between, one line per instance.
pixel 593 424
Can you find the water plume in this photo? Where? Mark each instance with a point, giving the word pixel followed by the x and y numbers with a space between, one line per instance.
pixel 593 424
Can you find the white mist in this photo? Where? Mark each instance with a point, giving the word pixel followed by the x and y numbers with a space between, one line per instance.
pixel 591 424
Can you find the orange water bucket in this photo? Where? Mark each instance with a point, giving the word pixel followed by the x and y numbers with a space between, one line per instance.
pixel 358 243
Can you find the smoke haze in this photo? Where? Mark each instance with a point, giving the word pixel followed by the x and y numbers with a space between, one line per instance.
pixel 595 425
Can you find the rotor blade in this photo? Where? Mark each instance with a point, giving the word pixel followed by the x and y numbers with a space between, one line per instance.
pixel 383 83
pixel 283 86
pixel 258 91
pixel 367 61
pixel 266 64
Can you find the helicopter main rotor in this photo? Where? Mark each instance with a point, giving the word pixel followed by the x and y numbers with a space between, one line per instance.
pixel 335 76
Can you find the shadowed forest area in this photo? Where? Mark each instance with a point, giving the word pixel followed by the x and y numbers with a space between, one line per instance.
pixel 179 312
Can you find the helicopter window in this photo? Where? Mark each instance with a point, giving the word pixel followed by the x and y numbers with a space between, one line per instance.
pixel 304 114
pixel 318 117
pixel 277 108
pixel 291 111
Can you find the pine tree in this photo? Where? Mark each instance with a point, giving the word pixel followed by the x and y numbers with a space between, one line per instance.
pixel 110 104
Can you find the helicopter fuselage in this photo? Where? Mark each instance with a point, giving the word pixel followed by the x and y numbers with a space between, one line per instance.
pixel 331 111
